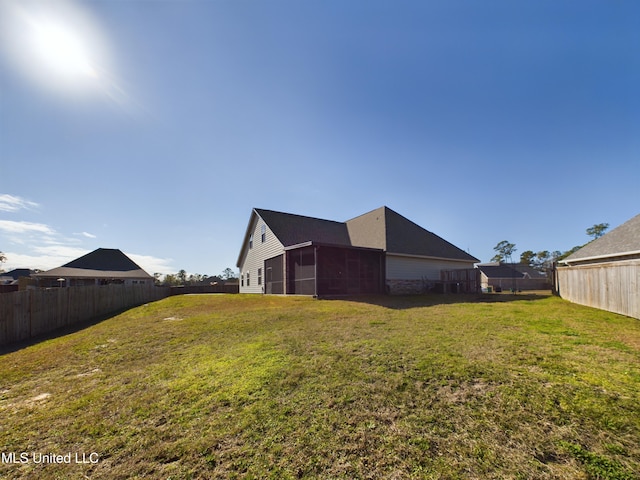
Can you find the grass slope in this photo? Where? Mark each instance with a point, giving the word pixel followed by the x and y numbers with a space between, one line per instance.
pixel 283 387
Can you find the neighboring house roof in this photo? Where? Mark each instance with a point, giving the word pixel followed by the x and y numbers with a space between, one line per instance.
pixel 508 270
pixel 101 263
pixel 621 241
pixel 380 229
pixel 19 272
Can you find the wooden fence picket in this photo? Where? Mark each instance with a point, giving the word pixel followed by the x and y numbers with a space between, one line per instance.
pixel 28 313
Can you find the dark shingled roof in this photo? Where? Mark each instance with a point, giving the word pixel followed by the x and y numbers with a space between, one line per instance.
pixel 506 270
pixel 623 239
pixel 110 259
pixel 101 263
pixel 384 228
pixel 294 229
pixel 381 229
pixel 19 272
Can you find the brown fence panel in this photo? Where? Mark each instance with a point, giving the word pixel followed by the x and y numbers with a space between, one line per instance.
pixel 20 329
pixel 194 289
pixel 5 311
pixel 45 310
pixel 613 286
pixel 32 312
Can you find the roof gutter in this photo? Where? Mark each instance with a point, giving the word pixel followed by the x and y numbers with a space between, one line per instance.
pixel 600 257
pixel 434 258
pixel 332 245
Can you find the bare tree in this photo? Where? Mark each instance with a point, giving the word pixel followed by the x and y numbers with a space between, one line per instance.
pixel 504 251
pixel 228 274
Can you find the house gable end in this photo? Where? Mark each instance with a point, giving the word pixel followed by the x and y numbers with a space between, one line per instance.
pixel 406 237
pixel 253 219
pixel 296 229
pixel 368 230
pixel 260 243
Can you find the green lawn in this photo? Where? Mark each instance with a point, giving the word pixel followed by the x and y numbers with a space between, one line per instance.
pixel 214 386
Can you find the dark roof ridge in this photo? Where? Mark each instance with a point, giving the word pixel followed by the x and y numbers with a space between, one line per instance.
pixel 266 210
pixel 110 259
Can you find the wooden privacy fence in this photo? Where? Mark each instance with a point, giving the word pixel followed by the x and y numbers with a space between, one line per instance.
pixel 28 313
pixel 191 289
pixel 462 280
pixel 613 286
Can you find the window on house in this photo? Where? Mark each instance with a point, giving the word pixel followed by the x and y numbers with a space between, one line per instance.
pixel 242 280
pixel 248 281
pixel 251 241
pixel 259 276
pixel 263 234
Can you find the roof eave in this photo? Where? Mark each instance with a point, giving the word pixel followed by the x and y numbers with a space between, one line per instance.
pixel 430 257
pixel 333 245
pixel 570 261
pixel 245 242
pixel 99 274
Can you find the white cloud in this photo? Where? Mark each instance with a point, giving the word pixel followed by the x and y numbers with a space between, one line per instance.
pixel 152 264
pixel 64 252
pixel 39 246
pixel 43 260
pixel 11 227
pixel 11 203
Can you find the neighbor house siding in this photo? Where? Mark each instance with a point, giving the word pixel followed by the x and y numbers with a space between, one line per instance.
pixel 519 283
pixel 256 255
pixel 414 268
pixel 410 274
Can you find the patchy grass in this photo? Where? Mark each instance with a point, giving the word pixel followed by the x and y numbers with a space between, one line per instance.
pixel 215 386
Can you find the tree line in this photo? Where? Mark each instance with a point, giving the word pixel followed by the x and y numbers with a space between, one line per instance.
pixel 544 259
pixel 181 278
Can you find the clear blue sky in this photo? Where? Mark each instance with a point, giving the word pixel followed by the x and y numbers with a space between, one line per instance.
pixel 156 126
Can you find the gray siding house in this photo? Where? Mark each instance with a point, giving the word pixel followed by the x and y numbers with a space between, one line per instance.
pixel 605 273
pixel 380 251
pixel 499 276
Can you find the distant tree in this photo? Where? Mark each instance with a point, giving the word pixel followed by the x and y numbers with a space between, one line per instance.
pixel 3 258
pixel 195 278
pixel 228 274
pixel 156 278
pixel 182 277
pixel 597 230
pixel 504 251
pixel 170 280
pixel 542 260
pixel 527 257
pixel 212 279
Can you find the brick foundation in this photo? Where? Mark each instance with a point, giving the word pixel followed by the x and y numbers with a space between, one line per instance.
pixel 406 287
